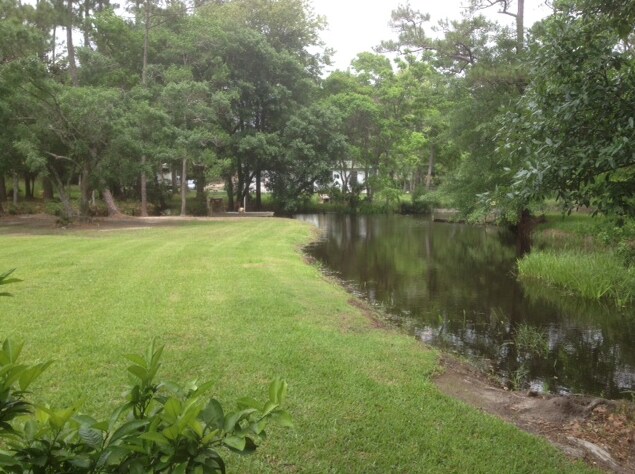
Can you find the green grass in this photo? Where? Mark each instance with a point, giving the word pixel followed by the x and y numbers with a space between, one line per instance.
pixel 587 256
pixel 235 303
pixel 596 276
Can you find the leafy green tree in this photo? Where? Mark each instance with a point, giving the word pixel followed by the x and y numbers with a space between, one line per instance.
pixel 574 131
pixel 311 145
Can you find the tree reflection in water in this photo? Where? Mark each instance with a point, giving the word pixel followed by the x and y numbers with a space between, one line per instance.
pixel 454 286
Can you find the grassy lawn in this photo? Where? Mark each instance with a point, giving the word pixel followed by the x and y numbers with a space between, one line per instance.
pixel 235 303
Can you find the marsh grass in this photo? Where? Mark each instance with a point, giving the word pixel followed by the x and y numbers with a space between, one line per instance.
pixel 531 341
pixel 235 303
pixel 596 276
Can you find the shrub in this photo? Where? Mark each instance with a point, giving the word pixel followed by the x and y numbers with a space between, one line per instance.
pixel 161 427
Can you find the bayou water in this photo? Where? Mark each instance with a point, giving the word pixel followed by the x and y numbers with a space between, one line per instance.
pixel 454 286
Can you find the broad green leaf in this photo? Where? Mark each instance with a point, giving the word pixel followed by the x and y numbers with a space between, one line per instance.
pixel 213 414
pixel 235 442
pixel 249 402
pixel 91 437
pixel 30 374
pixel 139 372
pixel 136 359
pixel 155 437
pixel 283 418
pixel 127 428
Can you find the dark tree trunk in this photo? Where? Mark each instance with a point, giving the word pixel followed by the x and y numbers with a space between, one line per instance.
pixel 144 188
pixel 202 207
pixel 29 185
pixel 85 195
pixel 47 188
pixel 3 188
pixel 184 186
pixel 16 188
pixel 258 192
pixel 523 233
pixel 229 186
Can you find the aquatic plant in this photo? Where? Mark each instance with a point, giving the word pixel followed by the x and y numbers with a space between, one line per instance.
pixel 594 276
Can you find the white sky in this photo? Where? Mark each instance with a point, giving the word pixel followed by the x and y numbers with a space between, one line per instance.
pixel 355 26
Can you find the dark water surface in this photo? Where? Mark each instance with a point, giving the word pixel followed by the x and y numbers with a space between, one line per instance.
pixel 453 286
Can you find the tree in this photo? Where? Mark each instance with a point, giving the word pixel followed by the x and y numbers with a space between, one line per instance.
pixel 574 131
pixel 311 144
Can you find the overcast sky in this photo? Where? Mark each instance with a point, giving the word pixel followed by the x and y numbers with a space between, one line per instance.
pixel 358 25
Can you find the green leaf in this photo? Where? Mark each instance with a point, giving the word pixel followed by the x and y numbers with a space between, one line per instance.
pixel 235 442
pixel 136 359
pixel 30 374
pixel 172 409
pixel 157 438
pixel 248 402
pixel 127 428
pixel 91 437
pixel 139 372
pixel 12 349
pixel 277 391
pixel 283 418
pixel 213 414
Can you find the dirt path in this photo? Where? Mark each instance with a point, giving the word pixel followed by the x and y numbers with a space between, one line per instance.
pixel 599 431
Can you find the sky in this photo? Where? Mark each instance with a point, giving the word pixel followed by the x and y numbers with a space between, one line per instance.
pixel 355 26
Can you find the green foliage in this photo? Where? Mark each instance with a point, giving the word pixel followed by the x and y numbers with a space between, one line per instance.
pixel 162 426
pixel 573 131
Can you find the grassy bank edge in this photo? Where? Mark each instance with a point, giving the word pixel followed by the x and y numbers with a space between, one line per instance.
pixel 584 256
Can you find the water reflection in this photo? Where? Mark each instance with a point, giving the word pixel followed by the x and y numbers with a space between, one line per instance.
pixel 453 286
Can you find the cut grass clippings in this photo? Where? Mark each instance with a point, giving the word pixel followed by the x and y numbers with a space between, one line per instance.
pixel 234 302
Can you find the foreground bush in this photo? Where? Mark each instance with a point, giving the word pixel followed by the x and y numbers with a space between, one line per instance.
pixel 161 427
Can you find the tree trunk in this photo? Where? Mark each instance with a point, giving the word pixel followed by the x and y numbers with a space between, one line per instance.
pixel 202 206
pixel 47 188
pixel 16 188
pixel 69 213
pixel 520 26
pixel 85 25
pixel 430 167
pixel 84 186
pixel 183 186
pixel 229 186
pixel 113 210
pixel 72 65
pixel 144 68
pixel 146 36
pixel 144 188
pixel 3 188
pixel 523 233
pixel 258 192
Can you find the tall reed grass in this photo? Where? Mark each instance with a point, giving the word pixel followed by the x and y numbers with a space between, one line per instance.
pixel 597 276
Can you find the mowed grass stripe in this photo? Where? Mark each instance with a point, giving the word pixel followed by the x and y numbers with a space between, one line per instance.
pixel 235 303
